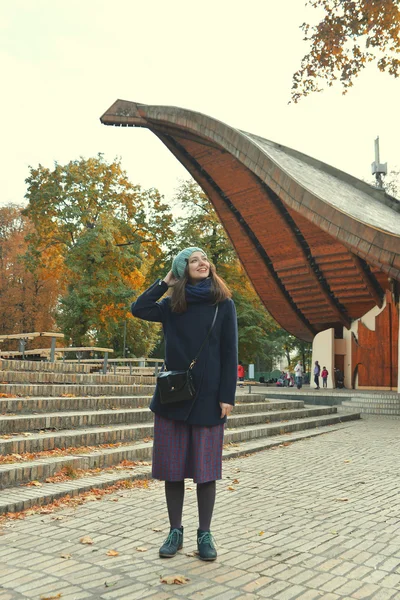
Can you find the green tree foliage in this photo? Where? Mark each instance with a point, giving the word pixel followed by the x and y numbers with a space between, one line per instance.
pixel 351 34
pixel 392 183
pixel 199 225
pixel 104 234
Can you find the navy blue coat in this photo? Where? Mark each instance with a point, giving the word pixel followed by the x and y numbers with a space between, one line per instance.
pixel 215 372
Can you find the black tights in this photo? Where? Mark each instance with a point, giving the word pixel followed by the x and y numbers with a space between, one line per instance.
pixel 175 492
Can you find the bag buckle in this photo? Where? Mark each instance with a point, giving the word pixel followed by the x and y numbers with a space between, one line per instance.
pixel 192 364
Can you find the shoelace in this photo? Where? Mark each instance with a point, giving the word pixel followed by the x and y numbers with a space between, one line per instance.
pixel 173 537
pixel 207 538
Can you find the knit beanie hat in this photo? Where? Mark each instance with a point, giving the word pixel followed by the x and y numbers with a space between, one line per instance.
pixel 180 261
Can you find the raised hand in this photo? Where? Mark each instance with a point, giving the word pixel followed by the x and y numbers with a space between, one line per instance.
pixel 170 279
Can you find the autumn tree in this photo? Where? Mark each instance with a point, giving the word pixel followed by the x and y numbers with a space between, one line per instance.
pixel 28 297
pixel 107 233
pixel 350 35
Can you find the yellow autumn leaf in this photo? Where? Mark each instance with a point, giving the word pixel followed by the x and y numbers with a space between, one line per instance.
pixel 86 540
pixel 174 579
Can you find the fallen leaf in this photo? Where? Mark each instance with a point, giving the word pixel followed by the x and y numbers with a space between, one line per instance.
pixel 106 584
pixel 51 597
pixel 91 498
pixel 235 481
pixel 341 499
pixel 66 556
pixel 86 540
pixel 174 579
pixel 231 489
pixel 141 549
pixel 347 461
pixel 194 553
pixel 261 533
pixel 112 553
pixel 35 483
pixel 156 529
pixel 334 532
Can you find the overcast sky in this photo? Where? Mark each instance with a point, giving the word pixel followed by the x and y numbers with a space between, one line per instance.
pixel 64 63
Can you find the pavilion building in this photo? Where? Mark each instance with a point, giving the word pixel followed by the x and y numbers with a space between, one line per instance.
pixel 321 247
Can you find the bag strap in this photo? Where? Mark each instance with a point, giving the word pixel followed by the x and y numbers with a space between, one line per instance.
pixel 204 343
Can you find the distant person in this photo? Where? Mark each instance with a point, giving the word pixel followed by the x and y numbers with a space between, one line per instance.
pixel 317 371
pixel 339 378
pixel 324 375
pixel 287 378
pixel 298 373
pixel 240 372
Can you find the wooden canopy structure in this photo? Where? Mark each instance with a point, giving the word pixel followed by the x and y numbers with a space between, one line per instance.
pixel 320 246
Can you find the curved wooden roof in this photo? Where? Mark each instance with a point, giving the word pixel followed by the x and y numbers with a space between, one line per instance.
pixel 318 244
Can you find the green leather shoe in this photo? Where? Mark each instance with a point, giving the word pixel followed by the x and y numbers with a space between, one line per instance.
pixel 172 544
pixel 206 545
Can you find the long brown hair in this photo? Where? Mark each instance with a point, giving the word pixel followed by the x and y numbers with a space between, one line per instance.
pixel 219 290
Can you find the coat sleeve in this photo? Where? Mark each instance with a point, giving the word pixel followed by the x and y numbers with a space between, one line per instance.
pixel 146 306
pixel 229 356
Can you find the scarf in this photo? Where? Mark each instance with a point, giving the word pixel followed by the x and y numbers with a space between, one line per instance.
pixel 200 292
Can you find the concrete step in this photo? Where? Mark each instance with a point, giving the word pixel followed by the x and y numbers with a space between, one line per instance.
pixel 76 403
pixel 41 377
pixel 23 472
pixel 241 434
pixel 32 365
pixel 68 420
pixel 266 405
pixel 73 438
pixel 20 498
pixel 244 397
pixel 50 404
pixel 255 418
pixel 331 397
pixel 370 406
pixel 23 390
pixel 38 470
pixel 94 418
pixel 119 432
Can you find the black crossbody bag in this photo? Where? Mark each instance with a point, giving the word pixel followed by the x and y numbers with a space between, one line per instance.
pixel 178 386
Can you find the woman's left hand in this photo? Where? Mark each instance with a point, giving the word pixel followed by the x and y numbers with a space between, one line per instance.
pixel 226 409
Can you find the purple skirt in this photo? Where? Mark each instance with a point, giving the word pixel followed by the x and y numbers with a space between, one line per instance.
pixel 182 451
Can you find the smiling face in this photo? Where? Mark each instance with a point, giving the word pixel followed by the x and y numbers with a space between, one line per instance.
pixel 199 267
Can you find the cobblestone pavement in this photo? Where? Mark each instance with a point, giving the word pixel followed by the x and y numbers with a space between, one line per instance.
pixel 319 518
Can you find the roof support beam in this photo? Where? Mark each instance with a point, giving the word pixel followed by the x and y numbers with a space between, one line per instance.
pixel 369 279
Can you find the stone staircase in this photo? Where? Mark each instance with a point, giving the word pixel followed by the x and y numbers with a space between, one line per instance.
pixel 367 402
pixel 60 416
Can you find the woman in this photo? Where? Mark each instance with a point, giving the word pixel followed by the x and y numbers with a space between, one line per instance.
pixel 188 436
